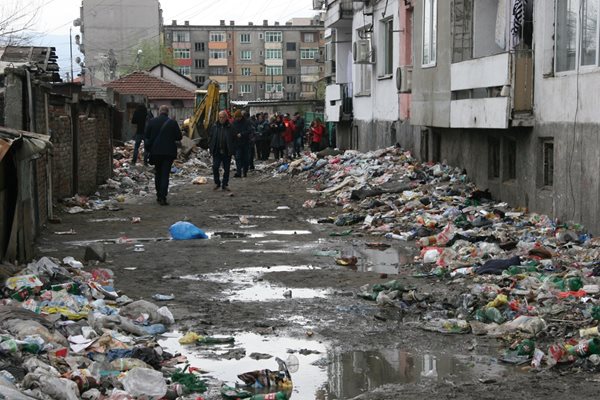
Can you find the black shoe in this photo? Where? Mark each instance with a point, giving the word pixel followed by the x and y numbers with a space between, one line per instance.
pixel 245 174
pixel 163 202
pixel 226 189
pixel 237 176
pixel 217 187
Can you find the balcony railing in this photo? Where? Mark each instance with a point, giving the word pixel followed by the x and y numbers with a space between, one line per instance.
pixel 493 92
pixel 339 13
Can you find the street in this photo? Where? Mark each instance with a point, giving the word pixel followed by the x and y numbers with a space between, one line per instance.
pixel 262 244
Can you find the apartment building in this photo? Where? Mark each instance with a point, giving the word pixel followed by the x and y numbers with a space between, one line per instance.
pixel 113 33
pixel 252 62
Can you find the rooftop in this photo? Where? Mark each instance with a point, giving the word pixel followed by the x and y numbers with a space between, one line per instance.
pixel 154 88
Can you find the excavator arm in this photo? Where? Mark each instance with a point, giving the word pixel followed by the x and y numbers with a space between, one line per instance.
pixel 205 114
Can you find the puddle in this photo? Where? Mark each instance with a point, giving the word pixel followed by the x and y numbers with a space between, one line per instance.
pixel 237 216
pixel 353 373
pixel 386 261
pixel 121 240
pixel 249 287
pixel 340 375
pixel 116 219
pixel 290 232
pixel 276 251
pixel 307 378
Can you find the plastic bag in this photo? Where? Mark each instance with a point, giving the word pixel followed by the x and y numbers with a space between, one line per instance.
pixel 185 231
pixel 146 382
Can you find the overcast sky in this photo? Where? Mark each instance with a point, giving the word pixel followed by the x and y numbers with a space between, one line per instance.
pixel 55 17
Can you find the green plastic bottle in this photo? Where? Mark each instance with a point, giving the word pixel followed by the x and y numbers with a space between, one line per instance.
pixel 270 396
pixel 574 283
pixel 585 348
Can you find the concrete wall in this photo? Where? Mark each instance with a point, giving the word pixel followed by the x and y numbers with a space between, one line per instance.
pixel 375 114
pixel 120 26
pixel 431 85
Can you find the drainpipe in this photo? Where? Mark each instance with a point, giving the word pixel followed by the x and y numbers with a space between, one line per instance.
pixel 50 154
pixel 30 101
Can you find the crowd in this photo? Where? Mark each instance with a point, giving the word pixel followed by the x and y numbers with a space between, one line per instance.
pixel 241 135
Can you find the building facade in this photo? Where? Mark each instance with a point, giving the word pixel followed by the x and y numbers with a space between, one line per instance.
pixel 252 62
pixel 113 35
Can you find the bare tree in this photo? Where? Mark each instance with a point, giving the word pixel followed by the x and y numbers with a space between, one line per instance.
pixel 16 22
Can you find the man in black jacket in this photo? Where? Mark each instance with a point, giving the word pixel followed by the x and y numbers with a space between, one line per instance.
pixel 221 149
pixel 139 118
pixel 241 135
pixel 162 133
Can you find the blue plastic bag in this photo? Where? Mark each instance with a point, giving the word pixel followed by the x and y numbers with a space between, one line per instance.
pixel 185 231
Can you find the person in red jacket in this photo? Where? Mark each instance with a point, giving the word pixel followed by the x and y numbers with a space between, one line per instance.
pixel 288 135
pixel 316 133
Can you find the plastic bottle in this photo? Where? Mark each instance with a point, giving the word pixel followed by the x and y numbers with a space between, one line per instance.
pixel 270 396
pixel 427 241
pixel 391 235
pixel 494 315
pixel 585 348
pixel 589 332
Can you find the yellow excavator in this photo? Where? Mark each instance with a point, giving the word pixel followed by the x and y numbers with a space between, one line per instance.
pixel 206 111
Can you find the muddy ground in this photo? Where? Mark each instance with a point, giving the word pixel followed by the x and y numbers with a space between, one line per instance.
pixel 372 352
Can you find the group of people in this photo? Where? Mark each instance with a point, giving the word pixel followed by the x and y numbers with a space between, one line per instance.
pixel 239 135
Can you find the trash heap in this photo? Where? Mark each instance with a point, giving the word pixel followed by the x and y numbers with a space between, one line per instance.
pixel 131 181
pixel 524 278
pixel 67 333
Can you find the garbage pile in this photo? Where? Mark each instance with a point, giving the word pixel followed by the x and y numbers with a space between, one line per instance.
pixel 524 278
pixel 67 333
pixel 131 181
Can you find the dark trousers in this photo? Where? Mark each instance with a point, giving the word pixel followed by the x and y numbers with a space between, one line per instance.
pixel 218 159
pixel 162 170
pixel 298 146
pixel 136 149
pixel 251 155
pixel 242 155
pixel 315 147
pixel 264 149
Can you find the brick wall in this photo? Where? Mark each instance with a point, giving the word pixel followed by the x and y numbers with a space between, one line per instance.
pixel 104 142
pixel 88 155
pixel 62 161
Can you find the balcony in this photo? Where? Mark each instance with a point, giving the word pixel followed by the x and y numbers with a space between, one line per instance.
pixel 339 14
pixel 338 102
pixel 494 92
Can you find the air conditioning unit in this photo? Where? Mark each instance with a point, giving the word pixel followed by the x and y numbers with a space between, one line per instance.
pixel 368 7
pixel 404 79
pixel 363 52
pixel 318 4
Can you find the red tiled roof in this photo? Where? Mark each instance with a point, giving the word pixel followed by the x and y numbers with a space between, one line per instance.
pixel 141 82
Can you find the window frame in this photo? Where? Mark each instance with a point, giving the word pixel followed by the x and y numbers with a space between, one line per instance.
pixel 307 35
pixel 243 35
pixel 270 51
pixel 243 71
pixel 311 50
pixel 186 68
pixel 270 68
pixel 199 46
pixel 214 34
pixel 215 51
pixel 177 39
pixel 245 86
pixel 579 6
pixel 273 36
pixel 180 54
pixel 429 36
pixel 269 86
pixel 246 52
pixel 386 68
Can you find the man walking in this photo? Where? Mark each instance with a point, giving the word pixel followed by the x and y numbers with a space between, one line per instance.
pixel 139 118
pixel 241 132
pixel 162 134
pixel 298 134
pixel 221 149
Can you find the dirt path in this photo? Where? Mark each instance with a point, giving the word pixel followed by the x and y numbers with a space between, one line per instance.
pixel 372 352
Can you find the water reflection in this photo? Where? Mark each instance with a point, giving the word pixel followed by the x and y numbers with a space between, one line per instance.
pixel 386 261
pixel 356 372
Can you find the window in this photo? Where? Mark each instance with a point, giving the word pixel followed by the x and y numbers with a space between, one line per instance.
pixel 510 159
pixel 245 88
pixel 181 36
pixel 246 55
pixel 291 96
pixel 260 36
pixel 273 36
pixel 199 63
pixel 218 71
pixel 308 87
pixel 290 63
pixel 199 46
pixel 185 70
pixel 244 38
pixel 429 32
pixel 273 54
pixel 462 30
pixel 181 53
pixel 246 71
pixel 365 72
pixel 387 55
pixel 217 36
pixel 548 162
pixel 576 38
pixel 217 54
pixel 290 80
pixel 200 79
pixel 308 54
pixel 274 70
pixel 493 158
pixel 290 46
pixel 309 37
pixel 230 70
pixel 261 86
pixel 309 70
pixel 273 87
pixel 230 86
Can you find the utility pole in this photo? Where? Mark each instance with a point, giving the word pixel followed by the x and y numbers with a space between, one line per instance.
pixel 71 51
